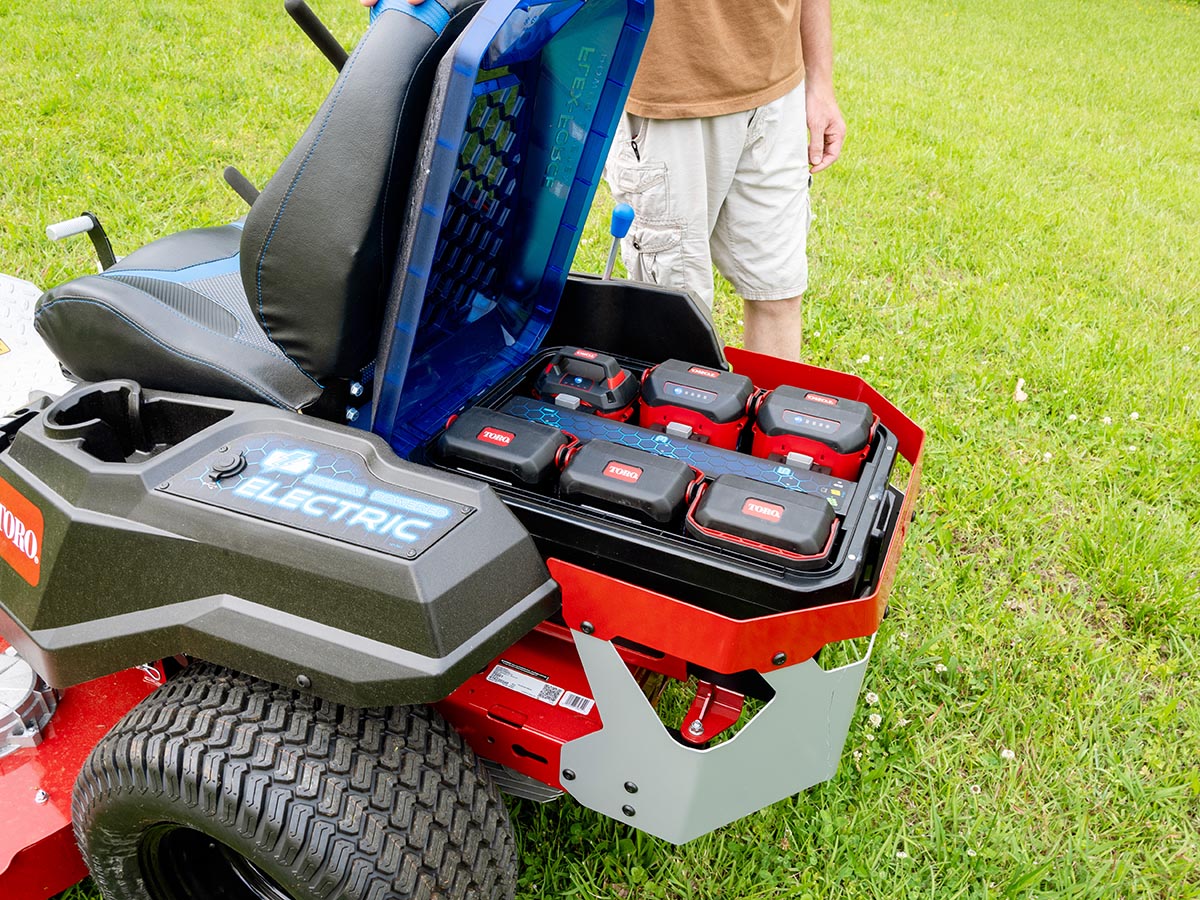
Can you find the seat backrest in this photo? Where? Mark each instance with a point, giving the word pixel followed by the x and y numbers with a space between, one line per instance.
pixel 320 241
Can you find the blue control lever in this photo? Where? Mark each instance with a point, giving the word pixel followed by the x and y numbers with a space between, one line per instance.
pixel 618 227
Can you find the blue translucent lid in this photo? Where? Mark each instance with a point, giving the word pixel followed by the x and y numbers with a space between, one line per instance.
pixel 533 99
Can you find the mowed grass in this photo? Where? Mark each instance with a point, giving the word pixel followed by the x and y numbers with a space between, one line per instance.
pixel 1019 199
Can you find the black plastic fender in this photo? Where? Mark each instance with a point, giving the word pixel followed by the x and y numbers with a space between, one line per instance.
pixel 138 525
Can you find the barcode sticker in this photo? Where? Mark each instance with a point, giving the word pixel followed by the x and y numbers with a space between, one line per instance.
pixel 525 684
pixel 574 701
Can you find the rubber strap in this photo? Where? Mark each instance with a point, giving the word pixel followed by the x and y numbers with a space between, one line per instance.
pixel 430 12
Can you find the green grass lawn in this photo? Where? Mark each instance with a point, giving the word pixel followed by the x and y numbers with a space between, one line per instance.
pixel 1019 199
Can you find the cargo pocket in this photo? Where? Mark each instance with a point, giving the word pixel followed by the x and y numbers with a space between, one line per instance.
pixel 634 179
pixel 653 253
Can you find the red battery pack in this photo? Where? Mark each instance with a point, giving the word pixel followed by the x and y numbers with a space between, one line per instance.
pixel 696 403
pixel 834 433
pixel 587 380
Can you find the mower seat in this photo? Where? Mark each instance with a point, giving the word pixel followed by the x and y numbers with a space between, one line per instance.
pixel 287 305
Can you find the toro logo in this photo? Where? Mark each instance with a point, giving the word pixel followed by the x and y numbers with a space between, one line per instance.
pixel 707 373
pixel 496 436
pixel 587 354
pixel 761 509
pixel 20 534
pixel 623 472
pixel 818 398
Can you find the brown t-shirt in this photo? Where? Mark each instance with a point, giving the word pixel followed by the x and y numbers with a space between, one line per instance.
pixel 712 57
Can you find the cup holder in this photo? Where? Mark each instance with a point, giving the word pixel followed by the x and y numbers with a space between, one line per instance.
pixel 116 423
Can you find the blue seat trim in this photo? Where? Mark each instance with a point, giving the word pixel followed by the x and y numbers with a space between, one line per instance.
pixel 430 12
pixel 195 272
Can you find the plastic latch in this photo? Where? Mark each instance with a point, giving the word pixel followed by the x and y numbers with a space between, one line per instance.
pixel 681 431
pixel 799 460
pixel 567 401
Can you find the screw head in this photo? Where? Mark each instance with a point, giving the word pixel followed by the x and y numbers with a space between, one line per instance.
pixel 164 485
pixel 587 627
pixel 224 449
pixel 351 414
pixel 696 728
pixel 779 658
pixel 628 810
pixel 303 682
pixel 630 787
pixel 356 389
pixel 568 775
pixel 41 796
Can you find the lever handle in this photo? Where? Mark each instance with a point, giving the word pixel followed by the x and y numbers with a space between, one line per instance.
pixel 69 228
pixel 622 219
pixel 321 36
pixel 618 227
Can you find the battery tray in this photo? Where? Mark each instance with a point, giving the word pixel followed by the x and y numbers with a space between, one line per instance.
pixel 682 530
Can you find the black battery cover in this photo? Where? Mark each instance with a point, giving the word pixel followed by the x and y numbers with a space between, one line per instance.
pixel 627 480
pixel 764 521
pixel 503 445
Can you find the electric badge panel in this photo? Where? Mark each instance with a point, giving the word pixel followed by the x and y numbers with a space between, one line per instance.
pixel 320 489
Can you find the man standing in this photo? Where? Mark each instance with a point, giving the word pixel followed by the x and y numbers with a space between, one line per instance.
pixel 713 156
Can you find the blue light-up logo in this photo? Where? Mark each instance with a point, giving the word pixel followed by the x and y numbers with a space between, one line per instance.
pixel 289 462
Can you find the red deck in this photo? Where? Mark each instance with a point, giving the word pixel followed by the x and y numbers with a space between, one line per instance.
pixel 38 856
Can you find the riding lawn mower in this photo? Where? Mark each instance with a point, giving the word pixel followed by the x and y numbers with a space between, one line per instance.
pixel 350 516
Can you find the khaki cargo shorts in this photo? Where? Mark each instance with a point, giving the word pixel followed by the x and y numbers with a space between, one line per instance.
pixel 731 190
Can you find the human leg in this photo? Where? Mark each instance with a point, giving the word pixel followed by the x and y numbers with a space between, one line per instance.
pixel 773 327
pixel 759 242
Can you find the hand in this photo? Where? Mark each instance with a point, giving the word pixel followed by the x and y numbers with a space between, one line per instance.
pixel 826 129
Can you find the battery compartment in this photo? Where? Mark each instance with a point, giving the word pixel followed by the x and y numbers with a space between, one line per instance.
pixel 606 525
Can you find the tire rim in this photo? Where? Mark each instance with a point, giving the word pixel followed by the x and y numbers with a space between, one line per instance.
pixel 181 863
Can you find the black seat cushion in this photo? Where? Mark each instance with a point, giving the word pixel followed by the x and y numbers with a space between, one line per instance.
pixel 321 239
pixel 173 315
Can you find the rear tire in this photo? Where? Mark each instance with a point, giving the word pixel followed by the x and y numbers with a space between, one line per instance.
pixel 220 785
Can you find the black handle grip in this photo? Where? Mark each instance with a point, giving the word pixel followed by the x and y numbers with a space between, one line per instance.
pixel 321 36
pixel 241 185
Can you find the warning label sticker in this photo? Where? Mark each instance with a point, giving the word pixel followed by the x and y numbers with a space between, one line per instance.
pixel 533 684
pixel 525 684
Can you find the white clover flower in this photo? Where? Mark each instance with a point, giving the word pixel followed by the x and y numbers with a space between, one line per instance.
pixel 1187 349
pixel 1133 417
pixel 875 719
pixel 900 854
pixel 1072 417
pixel 976 790
pixel 902 722
pixel 871 697
pixel 970 852
pixel 1107 420
pixel 1047 456
pixel 865 358
pixel 870 737
pixel 857 755
pixel 1132 448
pixel 1007 754
pixel 939 668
